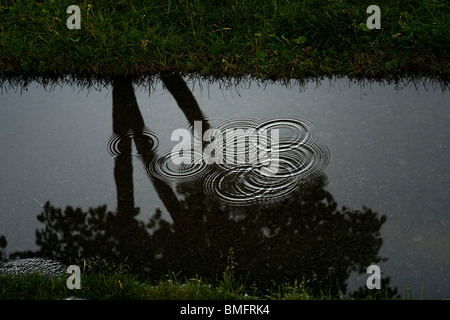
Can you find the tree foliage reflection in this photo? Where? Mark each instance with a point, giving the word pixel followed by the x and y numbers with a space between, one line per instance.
pixel 305 237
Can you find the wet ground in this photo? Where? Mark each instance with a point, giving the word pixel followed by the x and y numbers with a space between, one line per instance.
pixel 330 178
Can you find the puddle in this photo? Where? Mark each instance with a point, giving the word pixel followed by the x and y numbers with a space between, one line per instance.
pixel 246 163
pixel 318 180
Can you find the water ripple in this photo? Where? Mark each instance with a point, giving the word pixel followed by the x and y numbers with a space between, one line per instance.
pixel 146 138
pixel 165 169
pixel 273 178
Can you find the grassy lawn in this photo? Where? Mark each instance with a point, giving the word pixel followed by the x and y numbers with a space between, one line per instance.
pixel 101 286
pixel 102 280
pixel 262 39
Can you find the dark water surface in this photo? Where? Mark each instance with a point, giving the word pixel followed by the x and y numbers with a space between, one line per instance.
pixel 361 176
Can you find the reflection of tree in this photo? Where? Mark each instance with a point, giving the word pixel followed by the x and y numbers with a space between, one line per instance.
pixel 3 244
pixel 306 236
pixel 73 232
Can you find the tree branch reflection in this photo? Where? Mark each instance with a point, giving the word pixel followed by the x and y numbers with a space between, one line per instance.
pixel 305 236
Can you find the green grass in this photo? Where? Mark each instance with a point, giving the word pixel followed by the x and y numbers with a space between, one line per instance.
pixel 105 280
pixel 101 286
pixel 262 39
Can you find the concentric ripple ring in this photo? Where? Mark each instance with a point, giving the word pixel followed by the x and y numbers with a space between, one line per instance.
pixel 292 157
